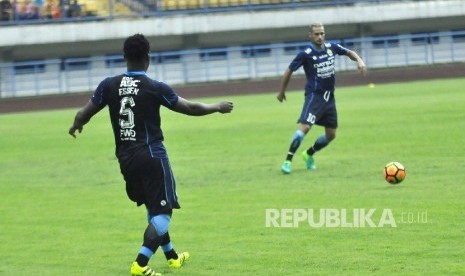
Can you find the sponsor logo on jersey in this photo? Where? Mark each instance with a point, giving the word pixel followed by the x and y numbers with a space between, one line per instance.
pixel 128 86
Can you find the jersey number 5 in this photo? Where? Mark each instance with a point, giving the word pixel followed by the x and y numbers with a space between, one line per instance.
pixel 126 111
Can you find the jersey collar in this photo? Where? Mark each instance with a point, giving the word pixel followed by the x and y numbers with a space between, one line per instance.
pixel 134 73
pixel 316 49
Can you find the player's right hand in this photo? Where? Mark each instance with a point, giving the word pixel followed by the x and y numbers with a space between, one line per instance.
pixel 281 97
pixel 72 130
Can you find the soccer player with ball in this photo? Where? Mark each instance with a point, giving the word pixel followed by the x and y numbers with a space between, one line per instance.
pixel 319 108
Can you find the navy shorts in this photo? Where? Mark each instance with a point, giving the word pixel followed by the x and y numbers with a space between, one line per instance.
pixel 150 181
pixel 319 111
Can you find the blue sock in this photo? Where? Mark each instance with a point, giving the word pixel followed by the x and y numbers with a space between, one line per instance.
pixel 167 247
pixel 153 237
pixel 295 144
pixel 151 242
pixel 320 143
pixel 146 252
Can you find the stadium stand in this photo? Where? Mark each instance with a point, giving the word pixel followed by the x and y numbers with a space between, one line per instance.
pixel 68 55
pixel 89 9
pixel 171 5
pixel 39 11
pixel 74 75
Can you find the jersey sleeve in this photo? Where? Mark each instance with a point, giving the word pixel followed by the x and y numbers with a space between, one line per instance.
pixel 98 96
pixel 168 97
pixel 339 49
pixel 297 61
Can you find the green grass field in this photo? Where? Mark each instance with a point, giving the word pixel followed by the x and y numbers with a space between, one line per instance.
pixel 64 209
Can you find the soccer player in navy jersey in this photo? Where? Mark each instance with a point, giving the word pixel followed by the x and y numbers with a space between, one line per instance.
pixel 319 108
pixel 134 102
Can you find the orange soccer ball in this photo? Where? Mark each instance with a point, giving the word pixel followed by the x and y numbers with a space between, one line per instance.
pixel 394 172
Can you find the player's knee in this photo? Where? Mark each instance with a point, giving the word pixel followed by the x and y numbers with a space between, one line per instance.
pixel 161 223
pixel 331 136
pixel 304 128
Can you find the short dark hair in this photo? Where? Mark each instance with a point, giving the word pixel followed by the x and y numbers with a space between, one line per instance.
pixel 316 25
pixel 136 47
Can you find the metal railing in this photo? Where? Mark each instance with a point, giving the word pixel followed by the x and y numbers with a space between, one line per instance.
pixel 224 64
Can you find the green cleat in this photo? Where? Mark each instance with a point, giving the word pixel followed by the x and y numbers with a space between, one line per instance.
pixel 286 167
pixel 137 270
pixel 177 263
pixel 309 161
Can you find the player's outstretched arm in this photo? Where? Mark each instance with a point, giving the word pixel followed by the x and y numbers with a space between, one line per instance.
pixel 82 117
pixel 284 82
pixel 360 63
pixel 199 109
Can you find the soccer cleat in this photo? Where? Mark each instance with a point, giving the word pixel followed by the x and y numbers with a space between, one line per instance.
pixel 309 160
pixel 137 270
pixel 286 167
pixel 177 263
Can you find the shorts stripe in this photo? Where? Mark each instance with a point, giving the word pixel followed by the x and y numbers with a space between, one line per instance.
pixel 307 105
pixel 165 180
pixel 173 188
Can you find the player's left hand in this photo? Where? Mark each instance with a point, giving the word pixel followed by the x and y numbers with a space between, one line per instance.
pixel 225 107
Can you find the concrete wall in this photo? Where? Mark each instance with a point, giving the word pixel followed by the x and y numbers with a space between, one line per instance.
pixel 61 40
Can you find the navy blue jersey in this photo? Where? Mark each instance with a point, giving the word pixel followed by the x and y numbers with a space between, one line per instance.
pixel 319 67
pixel 134 102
